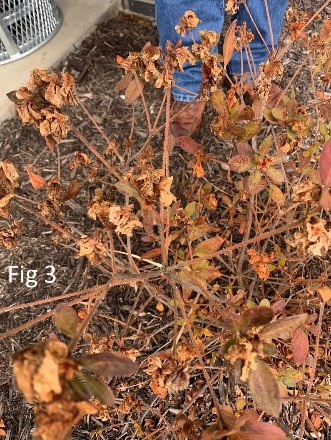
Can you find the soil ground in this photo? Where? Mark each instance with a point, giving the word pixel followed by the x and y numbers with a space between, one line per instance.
pixel 96 71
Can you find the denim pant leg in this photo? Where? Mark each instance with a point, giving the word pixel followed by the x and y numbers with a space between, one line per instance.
pixel 168 12
pixel 257 9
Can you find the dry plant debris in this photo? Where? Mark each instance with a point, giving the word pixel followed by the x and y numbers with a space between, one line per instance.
pixel 232 340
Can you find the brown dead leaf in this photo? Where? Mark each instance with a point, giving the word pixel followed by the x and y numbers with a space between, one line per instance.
pixel 325 293
pixel 10 172
pixel 5 200
pixel 124 81
pixel 241 163
pixel 325 33
pixel 300 346
pixel 229 43
pixel 37 370
pixel 55 420
pixel 166 196
pixel 3 432
pixel 37 181
pixel 72 190
pixel 208 246
pixel 283 328
pixel 197 167
pixel 188 144
pixel 132 92
pixel 124 219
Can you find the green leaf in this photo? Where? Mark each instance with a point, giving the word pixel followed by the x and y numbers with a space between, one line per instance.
pixel 208 246
pixel 66 319
pixel 269 116
pixel 250 130
pixel 79 389
pixel 255 178
pixel 265 146
pixel 283 328
pixel 278 113
pixel 264 388
pixel 190 209
pixel 109 364
pixel 95 387
pixel 218 100
pixel 290 377
pixel 127 189
pixel 241 163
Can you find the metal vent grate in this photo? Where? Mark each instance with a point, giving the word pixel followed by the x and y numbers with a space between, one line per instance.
pixel 25 25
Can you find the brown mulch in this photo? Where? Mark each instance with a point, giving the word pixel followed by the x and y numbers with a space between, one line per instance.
pixel 96 71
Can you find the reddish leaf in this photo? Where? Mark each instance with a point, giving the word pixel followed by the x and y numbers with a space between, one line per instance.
pixel 264 389
pixel 325 199
pixel 109 364
pixel 188 144
pixel 278 306
pixel 262 431
pixel 229 43
pixel 244 149
pixel 241 163
pixel 66 319
pixel 325 163
pixel 283 328
pixel 37 181
pixel 300 346
pixel 72 190
pixel 208 246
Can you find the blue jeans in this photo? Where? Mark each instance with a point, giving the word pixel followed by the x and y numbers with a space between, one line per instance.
pixel 211 14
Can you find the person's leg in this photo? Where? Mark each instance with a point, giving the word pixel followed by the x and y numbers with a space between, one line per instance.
pixel 168 13
pixel 255 11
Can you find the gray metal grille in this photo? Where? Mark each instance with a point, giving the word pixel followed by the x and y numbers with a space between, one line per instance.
pixel 25 25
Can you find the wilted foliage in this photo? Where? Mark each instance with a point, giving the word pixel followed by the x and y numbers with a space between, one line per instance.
pixel 223 262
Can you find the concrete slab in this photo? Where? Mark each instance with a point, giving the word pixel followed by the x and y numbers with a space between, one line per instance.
pixel 79 19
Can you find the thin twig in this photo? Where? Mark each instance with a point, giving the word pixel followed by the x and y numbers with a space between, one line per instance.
pixel 96 153
pixel 86 321
pixel 101 131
